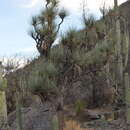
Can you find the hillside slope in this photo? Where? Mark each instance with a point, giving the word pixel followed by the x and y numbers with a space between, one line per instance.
pixel 78 92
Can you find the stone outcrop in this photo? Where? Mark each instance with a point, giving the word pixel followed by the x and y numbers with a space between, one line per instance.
pixel 38 117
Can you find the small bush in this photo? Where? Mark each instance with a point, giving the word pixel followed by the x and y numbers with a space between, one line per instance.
pixel 43 77
pixel 80 106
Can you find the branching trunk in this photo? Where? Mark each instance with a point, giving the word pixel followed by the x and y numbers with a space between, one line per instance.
pixel 55 123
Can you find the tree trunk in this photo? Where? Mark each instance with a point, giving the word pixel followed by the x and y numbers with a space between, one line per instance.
pixel 115 3
pixel 119 58
pixel 127 97
pixel 3 111
pixel 18 112
pixel 55 123
pixel 3 105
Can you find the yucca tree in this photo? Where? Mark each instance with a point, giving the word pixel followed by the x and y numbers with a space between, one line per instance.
pixel 45 29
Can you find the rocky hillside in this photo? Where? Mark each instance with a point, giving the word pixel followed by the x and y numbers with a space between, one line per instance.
pixel 80 89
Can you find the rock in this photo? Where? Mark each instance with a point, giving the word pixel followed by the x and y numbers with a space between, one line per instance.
pixel 79 90
pixel 93 115
pixel 34 118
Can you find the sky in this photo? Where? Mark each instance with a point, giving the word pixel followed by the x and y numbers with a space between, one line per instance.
pixel 16 16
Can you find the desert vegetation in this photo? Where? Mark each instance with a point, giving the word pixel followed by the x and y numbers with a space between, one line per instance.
pixel 77 84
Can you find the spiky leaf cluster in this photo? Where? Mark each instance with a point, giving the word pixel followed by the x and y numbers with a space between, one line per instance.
pixel 73 39
pixel 89 21
pixel 62 14
pixel 76 45
pixel 45 29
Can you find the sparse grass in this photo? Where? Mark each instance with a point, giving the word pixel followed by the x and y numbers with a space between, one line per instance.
pixel 80 106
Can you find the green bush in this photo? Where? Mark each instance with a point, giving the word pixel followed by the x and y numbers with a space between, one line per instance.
pixel 43 77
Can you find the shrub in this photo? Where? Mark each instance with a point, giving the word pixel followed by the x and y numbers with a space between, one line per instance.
pixel 43 77
pixel 80 105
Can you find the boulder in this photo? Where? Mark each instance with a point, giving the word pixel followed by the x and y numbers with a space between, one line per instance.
pixel 34 118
